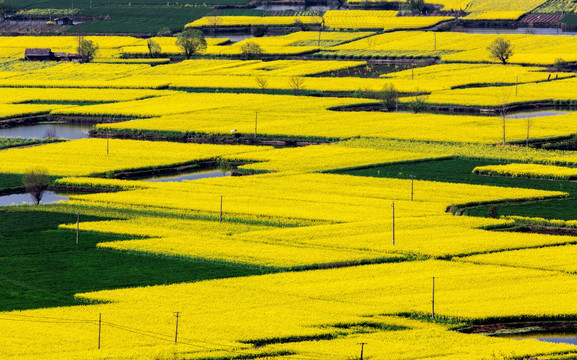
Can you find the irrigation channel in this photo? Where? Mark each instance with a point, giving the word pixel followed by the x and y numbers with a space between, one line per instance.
pixel 50 197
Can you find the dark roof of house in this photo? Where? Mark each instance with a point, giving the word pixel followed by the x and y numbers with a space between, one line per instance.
pixel 37 52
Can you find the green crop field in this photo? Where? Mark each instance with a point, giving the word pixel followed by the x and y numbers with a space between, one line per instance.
pixel 136 20
pixel 41 266
pixel 460 170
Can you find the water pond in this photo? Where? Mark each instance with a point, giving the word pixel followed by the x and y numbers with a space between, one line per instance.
pixel 521 30
pixel 525 115
pixel 68 131
pixel 234 37
pixel 294 7
pixel 191 176
pixel 557 338
pixel 49 197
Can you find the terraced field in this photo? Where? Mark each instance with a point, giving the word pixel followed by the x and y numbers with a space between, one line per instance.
pixel 390 195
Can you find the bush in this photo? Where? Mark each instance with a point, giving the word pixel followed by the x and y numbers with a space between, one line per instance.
pixel 493 212
pixel 560 64
pixel 251 50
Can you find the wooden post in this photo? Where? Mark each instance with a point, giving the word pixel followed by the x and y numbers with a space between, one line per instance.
pixel 77 226
pixel 177 314
pixel 393 222
pixel 433 301
pixel 99 328
pixel 362 348
pixel 412 180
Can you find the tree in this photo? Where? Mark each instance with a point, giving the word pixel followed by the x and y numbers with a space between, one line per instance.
pixel 417 6
pixel 296 83
pixel 389 96
pixel 154 48
pixel 36 182
pixel 262 82
pixel 251 50
pixel 500 49
pixel 191 41
pixel 87 49
pixel 5 8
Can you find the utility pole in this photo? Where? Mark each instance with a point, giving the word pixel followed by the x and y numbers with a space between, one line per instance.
pixel 220 219
pixel 362 348
pixel 72 14
pixel 433 301
pixel 99 328
pixel 412 180
pixel 393 222
pixel 77 226
pixel 177 314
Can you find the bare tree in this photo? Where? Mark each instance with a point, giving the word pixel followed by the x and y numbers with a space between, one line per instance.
pixel 36 182
pixel 370 42
pixel 321 20
pixel 50 133
pixel 214 21
pixel 262 82
pixel 296 83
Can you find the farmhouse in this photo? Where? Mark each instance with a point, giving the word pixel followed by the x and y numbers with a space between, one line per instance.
pixel 48 55
pixel 38 54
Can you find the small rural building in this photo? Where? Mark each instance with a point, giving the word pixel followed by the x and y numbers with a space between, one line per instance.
pixel 48 55
pixel 38 55
pixel 64 21
pixel 63 56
